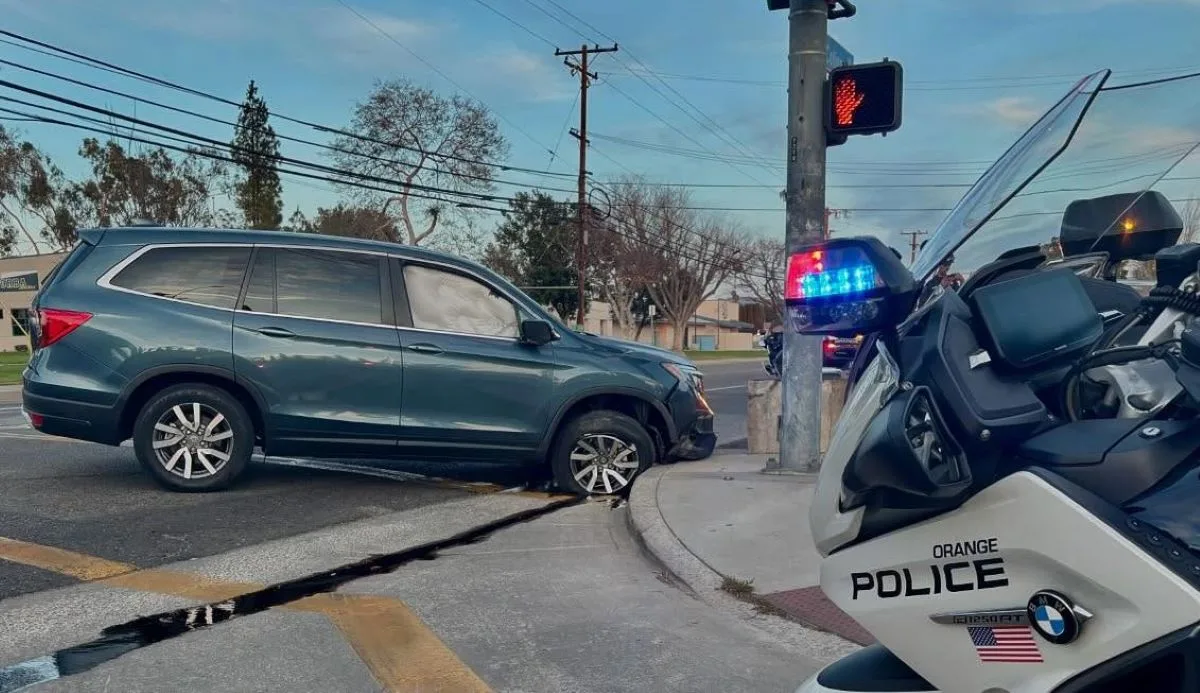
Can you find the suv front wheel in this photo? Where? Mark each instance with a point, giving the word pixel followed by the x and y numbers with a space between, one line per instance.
pixel 193 437
pixel 600 453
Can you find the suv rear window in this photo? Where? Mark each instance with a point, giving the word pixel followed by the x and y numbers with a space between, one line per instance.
pixel 210 276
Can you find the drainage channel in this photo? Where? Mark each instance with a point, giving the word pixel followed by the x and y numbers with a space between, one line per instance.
pixel 144 631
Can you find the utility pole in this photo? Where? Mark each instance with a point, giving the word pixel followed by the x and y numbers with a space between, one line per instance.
pixel 585 79
pixel 800 424
pixel 913 245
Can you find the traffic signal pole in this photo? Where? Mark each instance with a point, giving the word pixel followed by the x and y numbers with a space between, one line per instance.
pixel 800 424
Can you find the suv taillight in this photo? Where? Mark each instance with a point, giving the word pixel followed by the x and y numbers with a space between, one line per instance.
pixel 54 324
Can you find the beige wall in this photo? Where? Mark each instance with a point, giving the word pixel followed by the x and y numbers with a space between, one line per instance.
pixel 718 309
pixel 599 321
pixel 20 300
pixel 726 339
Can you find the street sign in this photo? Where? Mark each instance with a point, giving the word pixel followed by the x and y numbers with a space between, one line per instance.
pixel 836 55
pixel 18 281
pixel 864 99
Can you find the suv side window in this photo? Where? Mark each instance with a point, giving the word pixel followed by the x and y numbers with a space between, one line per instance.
pixel 326 284
pixel 209 276
pixel 450 302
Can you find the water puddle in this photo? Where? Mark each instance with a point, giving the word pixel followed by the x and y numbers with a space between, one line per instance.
pixel 121 639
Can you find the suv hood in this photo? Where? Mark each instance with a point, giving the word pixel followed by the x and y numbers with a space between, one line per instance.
pixel 630 346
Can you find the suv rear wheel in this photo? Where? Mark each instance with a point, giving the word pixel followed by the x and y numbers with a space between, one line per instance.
pixel 194 437
pixel 600 453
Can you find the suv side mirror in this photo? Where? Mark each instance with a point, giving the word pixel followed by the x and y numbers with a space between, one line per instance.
pixel 536 332
pixel 847 286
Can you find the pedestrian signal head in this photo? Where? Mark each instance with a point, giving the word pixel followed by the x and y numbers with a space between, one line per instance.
pixel 864 99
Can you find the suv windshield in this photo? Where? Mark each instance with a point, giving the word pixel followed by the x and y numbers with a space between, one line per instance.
pixel 1098 140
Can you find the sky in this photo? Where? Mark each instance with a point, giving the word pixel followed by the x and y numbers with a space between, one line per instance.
pixel 694 96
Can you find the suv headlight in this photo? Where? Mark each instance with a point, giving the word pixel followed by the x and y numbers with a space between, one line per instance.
pixel 686 375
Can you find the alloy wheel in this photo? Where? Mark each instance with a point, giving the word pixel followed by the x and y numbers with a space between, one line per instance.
pixel 603 463
pixel 193 441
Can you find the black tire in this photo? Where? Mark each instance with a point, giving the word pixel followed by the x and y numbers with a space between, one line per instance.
pixel 238 446
pixel 600 429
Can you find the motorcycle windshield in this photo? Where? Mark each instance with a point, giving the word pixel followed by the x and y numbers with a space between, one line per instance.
pixel 1099 140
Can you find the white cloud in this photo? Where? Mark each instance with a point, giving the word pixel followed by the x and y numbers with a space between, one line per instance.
pixel 1010 110
pixel 532 75
pixel 1065 6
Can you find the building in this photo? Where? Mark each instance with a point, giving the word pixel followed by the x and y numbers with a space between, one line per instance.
pixel 20 278
pixel 715 326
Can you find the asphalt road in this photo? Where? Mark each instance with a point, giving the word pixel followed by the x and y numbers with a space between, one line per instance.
pixel 96 500
pixel 562 602
pixel 725 383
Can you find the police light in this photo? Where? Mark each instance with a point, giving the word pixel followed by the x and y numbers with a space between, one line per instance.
pixel 846 286
pixel 864 99
pixel 822 274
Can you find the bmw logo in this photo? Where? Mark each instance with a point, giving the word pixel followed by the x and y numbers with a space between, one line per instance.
pixel 1055 617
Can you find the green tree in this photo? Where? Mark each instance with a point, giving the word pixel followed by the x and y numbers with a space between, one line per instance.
pixel 352 221
pixel 31 194
pixel 535 246
pixel 151 185
pixel 255 148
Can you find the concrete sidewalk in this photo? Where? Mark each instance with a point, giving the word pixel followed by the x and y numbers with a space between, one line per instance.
pixel 722 523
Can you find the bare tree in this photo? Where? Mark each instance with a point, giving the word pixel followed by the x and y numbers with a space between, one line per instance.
pixel 687 256
pixel 620 264
pixel 762 273
pixel 1191 221
pixel 421 140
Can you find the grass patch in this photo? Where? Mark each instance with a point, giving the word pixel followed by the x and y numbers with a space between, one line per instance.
pixel 728 354
pixel 744 590
pixel 11 365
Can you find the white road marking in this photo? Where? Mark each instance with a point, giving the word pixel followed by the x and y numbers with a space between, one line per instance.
pixel 725 387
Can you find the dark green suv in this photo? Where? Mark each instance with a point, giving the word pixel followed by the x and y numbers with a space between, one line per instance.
pixel 200 345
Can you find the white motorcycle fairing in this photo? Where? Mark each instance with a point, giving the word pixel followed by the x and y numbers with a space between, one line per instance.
pixel 1043 540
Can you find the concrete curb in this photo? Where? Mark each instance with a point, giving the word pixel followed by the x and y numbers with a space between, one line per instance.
pixel 691 572
pixel 735 444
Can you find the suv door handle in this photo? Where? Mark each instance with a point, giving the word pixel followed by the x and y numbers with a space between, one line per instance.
pixel 275 332
pixel 425 348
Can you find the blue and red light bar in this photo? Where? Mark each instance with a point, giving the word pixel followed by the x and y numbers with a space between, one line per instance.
pixel 818 274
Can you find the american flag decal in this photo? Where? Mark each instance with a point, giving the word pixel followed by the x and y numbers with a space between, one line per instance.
pixel 1005 644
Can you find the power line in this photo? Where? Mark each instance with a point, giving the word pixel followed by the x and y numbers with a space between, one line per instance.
pixel 435 68
pixel 209 154
pixel 96 63
pixel 972 83
pixel 218 143
pixel 707 123
pixel 514 22
pixel 287 138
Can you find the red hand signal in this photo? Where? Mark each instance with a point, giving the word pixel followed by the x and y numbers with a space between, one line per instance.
pixel 846 100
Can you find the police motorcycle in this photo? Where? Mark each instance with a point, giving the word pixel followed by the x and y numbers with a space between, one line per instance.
pixel 995 525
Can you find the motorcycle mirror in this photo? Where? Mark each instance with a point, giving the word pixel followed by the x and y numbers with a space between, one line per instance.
pixel 847 286
pixel 907 449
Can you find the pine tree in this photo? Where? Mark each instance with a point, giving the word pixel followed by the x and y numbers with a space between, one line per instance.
pixel 255 148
